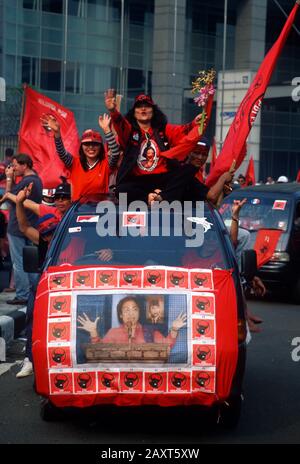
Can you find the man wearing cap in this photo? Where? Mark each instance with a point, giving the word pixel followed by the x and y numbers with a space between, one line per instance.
pixel 198 157
pixel 41 236
pixel 89 173
pixel 145 127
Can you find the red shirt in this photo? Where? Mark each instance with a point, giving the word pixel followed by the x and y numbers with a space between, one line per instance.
pixel 93 181
pixel 120 335
pixel 182 139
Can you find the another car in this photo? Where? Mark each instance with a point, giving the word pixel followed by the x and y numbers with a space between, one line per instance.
pixel 127 314
pixel 274 207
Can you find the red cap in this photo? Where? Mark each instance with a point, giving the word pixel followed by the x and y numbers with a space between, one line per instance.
pixel 146 99
pixel 91 136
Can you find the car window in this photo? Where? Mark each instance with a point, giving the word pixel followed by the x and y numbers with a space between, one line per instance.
pixel 260 212
pixel 82 245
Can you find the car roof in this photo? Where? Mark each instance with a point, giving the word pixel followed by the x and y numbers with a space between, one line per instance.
pixel 286 188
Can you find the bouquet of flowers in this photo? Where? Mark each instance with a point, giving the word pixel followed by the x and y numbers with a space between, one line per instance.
pixel 203 85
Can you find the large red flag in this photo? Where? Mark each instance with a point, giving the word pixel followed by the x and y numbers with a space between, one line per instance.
pixel 38 142
pixel 250 173
pixel 249 107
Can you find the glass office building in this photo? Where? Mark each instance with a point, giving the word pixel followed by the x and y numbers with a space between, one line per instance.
pixel 72 50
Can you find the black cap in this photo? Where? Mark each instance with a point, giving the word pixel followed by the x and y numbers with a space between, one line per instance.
pixel 63 189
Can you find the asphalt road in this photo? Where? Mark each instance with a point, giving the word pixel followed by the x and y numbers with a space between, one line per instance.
pixel 271 410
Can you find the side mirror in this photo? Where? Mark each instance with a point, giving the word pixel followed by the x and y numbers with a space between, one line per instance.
pixel 249 264
pixel 31 259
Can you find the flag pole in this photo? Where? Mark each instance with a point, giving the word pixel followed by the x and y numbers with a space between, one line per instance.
pixel 223 71
pixel 22 113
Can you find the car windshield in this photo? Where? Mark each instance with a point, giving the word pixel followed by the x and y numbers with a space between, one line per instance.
pixel 82 245
pixel 260 212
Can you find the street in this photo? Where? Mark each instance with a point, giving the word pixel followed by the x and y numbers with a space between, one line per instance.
pixel 271 410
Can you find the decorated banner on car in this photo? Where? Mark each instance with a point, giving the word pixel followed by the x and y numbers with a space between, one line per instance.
pixel 150 331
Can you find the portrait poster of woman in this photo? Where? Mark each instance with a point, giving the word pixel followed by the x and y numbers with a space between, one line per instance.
pixel 135 319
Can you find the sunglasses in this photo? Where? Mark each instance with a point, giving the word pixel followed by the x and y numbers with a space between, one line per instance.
pixel 91 144
pixel 62 197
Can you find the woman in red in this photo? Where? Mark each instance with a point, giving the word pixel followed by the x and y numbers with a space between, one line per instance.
pixel 130 329
pixel 89 173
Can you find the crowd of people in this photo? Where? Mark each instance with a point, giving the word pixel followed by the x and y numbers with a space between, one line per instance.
pixel 141 155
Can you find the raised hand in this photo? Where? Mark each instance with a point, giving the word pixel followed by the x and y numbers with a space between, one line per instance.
pixel 104 123
pixel 236 207
pixel 110 99
pixel 179 322
pixel 88 325
pixel 9 172
pixel 50 122
pixel 24 194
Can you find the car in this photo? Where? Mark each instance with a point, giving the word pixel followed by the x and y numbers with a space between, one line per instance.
pixel 275 208
pixel 128 313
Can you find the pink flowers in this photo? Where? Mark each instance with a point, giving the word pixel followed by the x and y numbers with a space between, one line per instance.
pixel 204 93
pixel 204 86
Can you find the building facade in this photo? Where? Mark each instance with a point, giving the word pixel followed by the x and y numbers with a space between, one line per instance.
pixel 72 50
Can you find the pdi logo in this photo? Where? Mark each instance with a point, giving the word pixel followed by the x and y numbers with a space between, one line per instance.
pixel 296 90
pixel 296 351
pixel 2 89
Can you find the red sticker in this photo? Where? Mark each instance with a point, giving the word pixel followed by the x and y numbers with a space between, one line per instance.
pixel 131 278
pixel 131 381
pixel 177 279
pixel 203 328
pixel 107 278
pixel 204 381
pixel 201 280
pixel 61 382
pixel 85 382
pixel 87 218
pixel 154 278
pixel 83 279
pixel 155 382
pixel 59 331
pixel 203 304
pixel 134 219
pixel 108 381
pixel 60 305
pixel 279 204
pixel 179 382
pixel 59 356
pixel 59 281
pixel 204 355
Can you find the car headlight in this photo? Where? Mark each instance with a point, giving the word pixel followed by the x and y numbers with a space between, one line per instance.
pixel 281 256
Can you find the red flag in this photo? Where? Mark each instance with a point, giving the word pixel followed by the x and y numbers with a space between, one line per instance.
pixel 298 176
pixel 249 107
pixel 265 245
pixel 38 142
pixel 250 173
